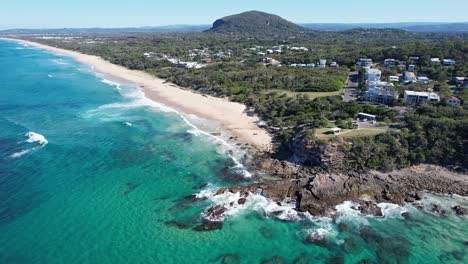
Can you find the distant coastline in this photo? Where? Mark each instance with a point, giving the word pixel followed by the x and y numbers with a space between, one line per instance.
pixel 232 117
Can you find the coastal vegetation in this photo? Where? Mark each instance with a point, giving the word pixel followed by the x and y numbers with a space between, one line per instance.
pixel 230 61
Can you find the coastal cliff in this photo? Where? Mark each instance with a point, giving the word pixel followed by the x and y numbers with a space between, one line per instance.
pixel 317 177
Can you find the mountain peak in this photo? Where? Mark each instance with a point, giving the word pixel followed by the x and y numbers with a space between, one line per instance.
pixel 254 22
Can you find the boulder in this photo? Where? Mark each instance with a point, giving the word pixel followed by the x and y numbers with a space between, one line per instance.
pixel 242 200
pixel 370 208
pixel 215 212
pixel 316 239
pixel 459 210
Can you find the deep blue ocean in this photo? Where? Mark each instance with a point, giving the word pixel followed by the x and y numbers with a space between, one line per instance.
pixel 91 171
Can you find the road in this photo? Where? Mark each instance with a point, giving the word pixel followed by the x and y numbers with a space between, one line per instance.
pixel 349 93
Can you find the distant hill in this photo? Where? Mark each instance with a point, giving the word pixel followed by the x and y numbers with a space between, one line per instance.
pixel 62 31
pixel 408 26
pixel 255 22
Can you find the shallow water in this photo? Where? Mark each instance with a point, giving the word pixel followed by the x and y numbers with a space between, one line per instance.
pixel 113 169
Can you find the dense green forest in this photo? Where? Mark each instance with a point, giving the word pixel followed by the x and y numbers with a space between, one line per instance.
pixel 435 134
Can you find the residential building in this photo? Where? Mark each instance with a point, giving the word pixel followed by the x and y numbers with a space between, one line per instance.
pixel 322 63
pixel 401 67
pixel 335 130
pixel 310 65
pixel 383 95
pixel 448 62
pixel 394 78
pixel 413 58
pixel 333 64
pixel 410 77
pixel 413 97
pixel 458 80
pixel 453 100
pixel 366 117
pixel 373 74
pixel 390 62
pixel 435 61
pixel 423 79
pixel 411 67
pixel 299 49
pixel 364 62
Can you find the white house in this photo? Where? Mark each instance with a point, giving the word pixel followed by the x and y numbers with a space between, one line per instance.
pixel 394 78
pixel 373 74
pixel 322 63
pixel 435 61
pixel 333 64
pixel 413 97
pixel 453 100
pixel 448 62
pixel 335 130
pixel 411 67
pixel 410 77
pixel 384 94
pixel 299 49
pixel 366 117
pixel 423 79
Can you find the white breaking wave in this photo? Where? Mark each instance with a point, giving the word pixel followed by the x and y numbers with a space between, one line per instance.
pixel 49 75
pixel 128 124
pixel 59 61
pixel 35 137
pixel 253 202
pixel 20 153
pixel 111 83
pixel 140 100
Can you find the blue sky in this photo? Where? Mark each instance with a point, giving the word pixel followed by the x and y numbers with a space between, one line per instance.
pixel 123 13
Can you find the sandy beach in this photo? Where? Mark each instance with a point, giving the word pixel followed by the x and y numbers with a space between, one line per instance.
pixel 231 116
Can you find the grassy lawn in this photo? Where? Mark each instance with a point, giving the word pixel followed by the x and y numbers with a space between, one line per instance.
pixel 347 133
pixel 311 95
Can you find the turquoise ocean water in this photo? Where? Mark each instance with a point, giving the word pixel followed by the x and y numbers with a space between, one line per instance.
pixel 91 172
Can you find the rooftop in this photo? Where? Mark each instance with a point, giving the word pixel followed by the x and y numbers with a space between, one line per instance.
pixel 424 94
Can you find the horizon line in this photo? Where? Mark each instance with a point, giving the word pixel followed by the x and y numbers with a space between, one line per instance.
pixel 207 24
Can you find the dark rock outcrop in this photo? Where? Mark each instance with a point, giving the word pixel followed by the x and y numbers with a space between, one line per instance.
pixel 461 211
pixel 209 226
pixel 316 239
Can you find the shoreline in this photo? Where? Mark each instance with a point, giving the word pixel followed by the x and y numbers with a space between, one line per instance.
pixel 231 116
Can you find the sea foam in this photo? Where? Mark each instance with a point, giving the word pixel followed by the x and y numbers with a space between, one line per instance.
pixel 59 61
pixel 254 202
pixel 35 137
pixel 111 83
pixel 20 153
